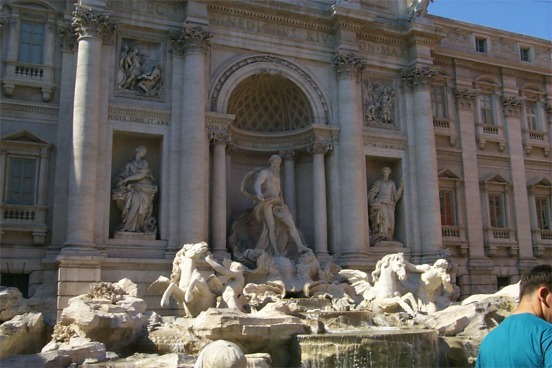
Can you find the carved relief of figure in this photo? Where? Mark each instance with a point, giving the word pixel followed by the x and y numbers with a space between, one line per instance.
pixel 387 106
pixel 122 72
pixel 263 185
pixel 378 103
pixel 382 199
pixel 134 192
pixel 133 67
pixel 149 82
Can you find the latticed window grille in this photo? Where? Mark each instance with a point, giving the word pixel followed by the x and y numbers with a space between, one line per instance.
pixel 269 103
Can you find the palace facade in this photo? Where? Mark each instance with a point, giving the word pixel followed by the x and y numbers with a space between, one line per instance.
pixel 460 113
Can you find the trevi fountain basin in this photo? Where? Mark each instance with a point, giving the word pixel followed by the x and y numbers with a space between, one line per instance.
pixel 270 303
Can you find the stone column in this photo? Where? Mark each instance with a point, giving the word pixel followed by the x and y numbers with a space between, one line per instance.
pixel 512 105
pixel 319 150
pixel 193 41
pixel 352 162
pixel 90 26
pixel 425 160
pixel 289 180
pixel 219 141
pixel 79 261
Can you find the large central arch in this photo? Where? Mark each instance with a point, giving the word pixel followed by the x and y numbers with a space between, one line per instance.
pixel 243 68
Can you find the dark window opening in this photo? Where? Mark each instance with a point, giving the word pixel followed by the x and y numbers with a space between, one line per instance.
pixel 18 280
pixel 502 282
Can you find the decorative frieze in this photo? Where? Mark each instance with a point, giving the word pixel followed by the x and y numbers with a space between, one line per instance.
pixel 418 75
pixel 89 22
pixel 347 65
pixel 465 98
pixel 512 105
pixel 147 117
pixel 191 39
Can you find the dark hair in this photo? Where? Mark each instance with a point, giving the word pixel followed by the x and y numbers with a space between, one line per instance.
pixel 539 276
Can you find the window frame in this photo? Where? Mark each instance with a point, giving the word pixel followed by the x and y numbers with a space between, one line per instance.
pixel 34 56
pixel 526 53
pixel 9 177
pixel 481 44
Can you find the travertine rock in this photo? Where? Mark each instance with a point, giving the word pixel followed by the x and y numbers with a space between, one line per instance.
pixel 12 303
pixel 23 334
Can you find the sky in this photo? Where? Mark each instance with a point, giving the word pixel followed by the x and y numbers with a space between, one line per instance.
pixel 528 17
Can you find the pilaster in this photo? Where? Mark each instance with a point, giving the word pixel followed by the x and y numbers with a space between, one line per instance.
pixel 512 105
pixel 465 100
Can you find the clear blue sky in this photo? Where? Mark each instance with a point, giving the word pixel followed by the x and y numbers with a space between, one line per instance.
pixel 528 17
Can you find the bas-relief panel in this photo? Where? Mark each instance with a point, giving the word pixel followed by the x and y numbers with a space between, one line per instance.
pixel 140 68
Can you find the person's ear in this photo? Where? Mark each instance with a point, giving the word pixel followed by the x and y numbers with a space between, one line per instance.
pixel 543 293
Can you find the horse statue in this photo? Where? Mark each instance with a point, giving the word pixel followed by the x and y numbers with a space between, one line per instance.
pixel 384 295
pixel 187 285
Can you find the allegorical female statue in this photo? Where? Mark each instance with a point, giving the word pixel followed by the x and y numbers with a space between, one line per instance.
pixel 134 192
pixel 382 199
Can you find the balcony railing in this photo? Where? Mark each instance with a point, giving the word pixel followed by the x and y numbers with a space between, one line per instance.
pixel 444 127
pixel 535 138
pixel 19 218
pixel 490 133
pixel 542 240
pixel 496 238
pixel 455 236
pixel 28 75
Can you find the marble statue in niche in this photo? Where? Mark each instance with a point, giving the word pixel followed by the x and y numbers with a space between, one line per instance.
pixel 378 104
pixel 382 199
pixel 134 192
pixel 139 71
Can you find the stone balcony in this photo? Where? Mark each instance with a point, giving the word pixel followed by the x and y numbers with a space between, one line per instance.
pixel 496 238
pixel 542 240
pixel 490 133
pixel 445 127
pixel 28 75
pixel 29 219
pixel 455 237
pixel 535 139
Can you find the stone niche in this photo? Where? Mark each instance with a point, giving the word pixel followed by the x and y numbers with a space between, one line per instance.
pixel 374 166
pixel 123 151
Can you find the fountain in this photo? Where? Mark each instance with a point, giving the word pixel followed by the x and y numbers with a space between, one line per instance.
pixel 273 300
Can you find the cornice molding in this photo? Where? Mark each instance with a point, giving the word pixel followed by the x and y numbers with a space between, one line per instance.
pixel 9 106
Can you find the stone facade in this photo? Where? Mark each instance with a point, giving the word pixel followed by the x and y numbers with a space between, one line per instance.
pixel 339 89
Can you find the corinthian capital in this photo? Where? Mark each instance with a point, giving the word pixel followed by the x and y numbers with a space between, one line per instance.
pixel 465 97
pixel 512 105
pixel 417 75
pixel 347 65
pixel 219 137
pixel 320 147
pixel 191 39
pixel 89 22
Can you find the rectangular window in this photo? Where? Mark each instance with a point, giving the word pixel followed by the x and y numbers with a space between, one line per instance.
pixel 17 280
pixel 31 42
pixel 496 211
pixel 486 107
pixel 481 44
pixel 531 114
pixel 446 201
pixel 438 101
pixel 21 181
pixel 525 53
pixel 543 213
